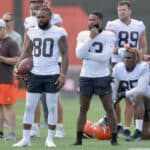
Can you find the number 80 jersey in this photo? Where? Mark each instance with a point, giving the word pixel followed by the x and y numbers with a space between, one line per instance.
pixel 46 49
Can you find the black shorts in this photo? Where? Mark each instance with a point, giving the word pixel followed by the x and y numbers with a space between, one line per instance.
pixel 42 83
pixel 98 86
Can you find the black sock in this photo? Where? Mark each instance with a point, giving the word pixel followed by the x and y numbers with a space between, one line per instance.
pixel 114 139
pixel 79 138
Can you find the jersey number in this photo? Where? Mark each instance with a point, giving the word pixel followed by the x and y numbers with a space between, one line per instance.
pixel 127 85
pixel 125 36
pixel 43 47
pixel 96 47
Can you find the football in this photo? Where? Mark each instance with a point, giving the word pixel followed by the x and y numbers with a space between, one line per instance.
pixel 25 65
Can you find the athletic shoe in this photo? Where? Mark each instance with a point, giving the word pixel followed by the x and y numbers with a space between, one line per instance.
pixel 119 130
pixel 114 143
pixel 60 133
pixel 49 143
pixel 136 136
pixel 126 133
pixel 22 143
pixel 1 136
pixel 77 143
pixel 5 124
pixel 11 136
pixel 34 131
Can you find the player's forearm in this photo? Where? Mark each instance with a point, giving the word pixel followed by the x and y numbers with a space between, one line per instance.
pixel 82 49
pixel 143 43
pixel 100 57
pixel 8 60
pixel 141 86
pixel 64 64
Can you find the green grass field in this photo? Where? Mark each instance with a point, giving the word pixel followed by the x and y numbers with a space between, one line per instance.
pixel 71 107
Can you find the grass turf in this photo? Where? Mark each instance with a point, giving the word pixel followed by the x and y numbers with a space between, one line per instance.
pixel 71 108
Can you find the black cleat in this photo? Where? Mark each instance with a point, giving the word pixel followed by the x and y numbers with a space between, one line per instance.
pixel 126 133
pixel 114 143
pixel 1 135
pixel 77 143
pixel 114 139
pixel 119 130
pixel 136 136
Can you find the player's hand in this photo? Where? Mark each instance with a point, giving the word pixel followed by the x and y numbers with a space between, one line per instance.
pixel 94 31
pixel 126 46
pixel 115 51
pixel 16 73
pixel 60 81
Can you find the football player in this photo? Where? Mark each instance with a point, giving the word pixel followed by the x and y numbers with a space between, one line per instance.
pixel 95 47
pixel 141 103
pixel 127 73
pixel 31 21
pixel 44 42
pixel 130 32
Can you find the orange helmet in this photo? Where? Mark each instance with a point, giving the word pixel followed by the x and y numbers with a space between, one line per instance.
pixel 89 128
pixel 102 132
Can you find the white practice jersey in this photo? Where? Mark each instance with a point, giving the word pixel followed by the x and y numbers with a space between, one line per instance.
pixel 96 53
pixel 31 21
pixel 126 34
pixel 45 49
pixel 126 81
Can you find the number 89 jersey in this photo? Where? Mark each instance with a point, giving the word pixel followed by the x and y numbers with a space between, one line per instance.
pixel 45 49
pixel 126 34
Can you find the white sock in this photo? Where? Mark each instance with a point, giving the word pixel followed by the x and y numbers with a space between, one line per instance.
pixel 26 135
pixel 139 124
pixel 35 125
pixel 119 124
pixel 51 134
pixel 59 125
pixel 126 128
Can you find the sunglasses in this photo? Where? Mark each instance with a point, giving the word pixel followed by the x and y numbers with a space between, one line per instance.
pixel 7 21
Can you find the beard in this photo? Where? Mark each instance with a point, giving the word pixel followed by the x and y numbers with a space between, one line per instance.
pixel 44 25
pixel 91 26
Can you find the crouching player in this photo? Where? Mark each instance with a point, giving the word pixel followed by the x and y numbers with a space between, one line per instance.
pixel 141 104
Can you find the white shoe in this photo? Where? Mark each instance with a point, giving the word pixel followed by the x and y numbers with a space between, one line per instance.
pixel 49 143
pixel 5 124
pixel 22 143
pixel 60 133
pixel 34 132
